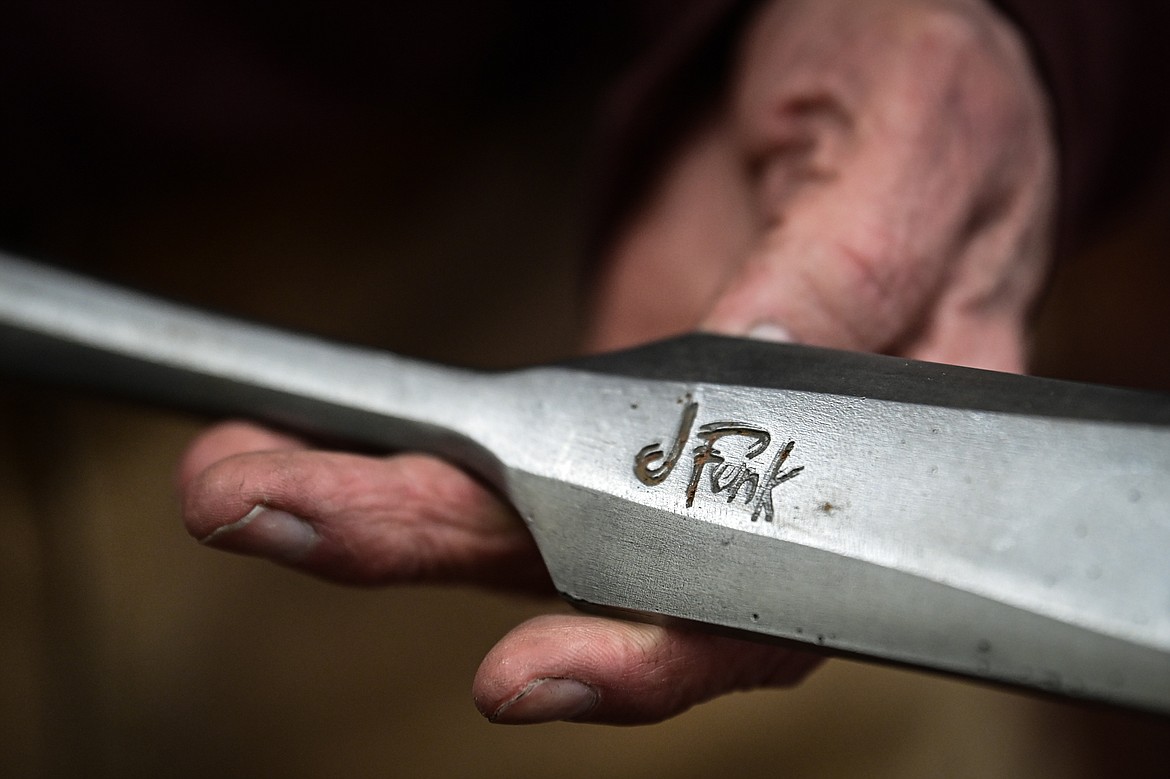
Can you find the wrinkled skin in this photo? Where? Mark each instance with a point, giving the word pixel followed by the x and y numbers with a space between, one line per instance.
pixel 880 176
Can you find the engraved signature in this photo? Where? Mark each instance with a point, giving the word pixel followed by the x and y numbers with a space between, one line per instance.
pixel 652 463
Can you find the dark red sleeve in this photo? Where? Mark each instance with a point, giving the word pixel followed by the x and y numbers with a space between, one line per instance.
pixel 677 76
pixel 1106 64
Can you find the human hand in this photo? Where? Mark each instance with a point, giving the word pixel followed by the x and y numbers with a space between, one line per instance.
pixel 880 177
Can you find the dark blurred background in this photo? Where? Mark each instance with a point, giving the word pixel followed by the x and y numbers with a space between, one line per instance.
pixel 412 176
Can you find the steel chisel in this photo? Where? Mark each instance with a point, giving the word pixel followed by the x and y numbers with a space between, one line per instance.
pixel 1007 528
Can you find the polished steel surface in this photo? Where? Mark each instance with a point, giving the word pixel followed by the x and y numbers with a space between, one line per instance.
pixel 1005 528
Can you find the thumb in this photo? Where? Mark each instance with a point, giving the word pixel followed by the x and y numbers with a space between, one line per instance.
pixel 906 209
pixel 947 295
pixel 835 288
pixel 589 669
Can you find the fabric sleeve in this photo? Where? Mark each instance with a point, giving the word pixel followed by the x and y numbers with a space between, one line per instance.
pixel 1106 68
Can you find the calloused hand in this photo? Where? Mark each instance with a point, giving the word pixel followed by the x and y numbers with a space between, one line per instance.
pixel 879 176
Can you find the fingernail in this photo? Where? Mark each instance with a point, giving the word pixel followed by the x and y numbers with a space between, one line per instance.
pixel 546 700
pixel 266 532
pixel 769 331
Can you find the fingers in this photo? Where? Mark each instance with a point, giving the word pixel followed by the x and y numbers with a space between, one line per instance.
pixel 589 669
pixel 904 194
pixel 881 178
pixel 411 518
pixel 351 518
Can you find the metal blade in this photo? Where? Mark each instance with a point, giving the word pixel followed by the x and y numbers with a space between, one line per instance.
pixel 922 514
pixel 1006 528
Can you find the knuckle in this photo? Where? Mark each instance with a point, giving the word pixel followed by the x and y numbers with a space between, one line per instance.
pixel 948 28
pixel 976 61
